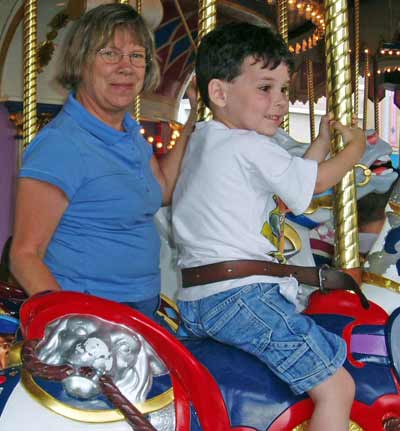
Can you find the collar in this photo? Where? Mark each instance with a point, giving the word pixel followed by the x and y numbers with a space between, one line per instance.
pixel 97 127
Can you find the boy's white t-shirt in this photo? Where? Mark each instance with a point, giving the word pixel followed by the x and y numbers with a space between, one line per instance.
pixel 224 195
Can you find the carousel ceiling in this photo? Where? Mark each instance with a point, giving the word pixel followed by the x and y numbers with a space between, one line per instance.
pixel 175 24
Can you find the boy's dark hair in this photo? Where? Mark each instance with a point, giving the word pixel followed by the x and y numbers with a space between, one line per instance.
pixel 222 51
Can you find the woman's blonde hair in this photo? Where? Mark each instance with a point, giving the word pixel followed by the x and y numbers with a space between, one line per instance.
pixel 93 31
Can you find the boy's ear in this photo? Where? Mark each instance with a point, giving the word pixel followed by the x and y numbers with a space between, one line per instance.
pixel 217 92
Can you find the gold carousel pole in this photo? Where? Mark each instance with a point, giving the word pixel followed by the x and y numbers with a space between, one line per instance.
pixel 366 88
pixel 339 102
pixel 376 98
pixel 311 97
pixel 137 103
pixel 356 55
pixel 207 22
pixel 30 71
pixel 283 31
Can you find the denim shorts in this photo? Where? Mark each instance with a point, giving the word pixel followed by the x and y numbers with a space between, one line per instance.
pixel 258 319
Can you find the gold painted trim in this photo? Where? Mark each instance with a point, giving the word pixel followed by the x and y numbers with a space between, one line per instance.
pixel 304 426
pixel 86 415
pixel 172 324
pixel 292 236
pixel 14 356
pixel 321 202
pixel 367 174
pixel 170 302
pixel 380 281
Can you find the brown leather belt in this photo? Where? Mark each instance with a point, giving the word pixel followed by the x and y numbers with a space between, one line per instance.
pixel 324 277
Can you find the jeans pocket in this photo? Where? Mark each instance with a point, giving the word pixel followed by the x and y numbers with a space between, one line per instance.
pixel 238 325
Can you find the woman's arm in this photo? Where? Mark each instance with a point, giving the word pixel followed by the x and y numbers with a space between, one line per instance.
pixel 166 169
pixel 39 208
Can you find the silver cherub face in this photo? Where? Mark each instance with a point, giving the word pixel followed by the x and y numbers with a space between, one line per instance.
pixel 108 348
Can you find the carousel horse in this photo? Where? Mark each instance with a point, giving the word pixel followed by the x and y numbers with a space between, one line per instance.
pixel 90 364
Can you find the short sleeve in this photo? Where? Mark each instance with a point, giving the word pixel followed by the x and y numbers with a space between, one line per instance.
pixel 290 177
pixel 55 159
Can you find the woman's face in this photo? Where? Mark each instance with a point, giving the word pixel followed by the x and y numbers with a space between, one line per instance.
pixel 108 90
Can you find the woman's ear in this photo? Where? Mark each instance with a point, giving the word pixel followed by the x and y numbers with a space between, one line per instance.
pixel 217 92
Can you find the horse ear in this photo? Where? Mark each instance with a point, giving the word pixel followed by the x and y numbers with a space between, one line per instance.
pixel 52 335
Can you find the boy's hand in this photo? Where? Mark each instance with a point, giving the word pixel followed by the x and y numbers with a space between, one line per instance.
pixel 324 134
pixel 352 136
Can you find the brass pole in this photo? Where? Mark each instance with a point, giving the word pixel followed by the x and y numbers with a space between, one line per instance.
pixel 339 102
pixel 30 71
pixel 207 22
pixel 284 32
pixel 366 88
pixel 376 96
pixel 311 97
pixel 137 104
pixel 356 55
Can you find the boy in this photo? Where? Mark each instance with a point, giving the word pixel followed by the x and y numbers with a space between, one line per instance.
pixel 232 171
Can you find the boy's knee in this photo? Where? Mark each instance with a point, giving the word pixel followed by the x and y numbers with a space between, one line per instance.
pixel 338 388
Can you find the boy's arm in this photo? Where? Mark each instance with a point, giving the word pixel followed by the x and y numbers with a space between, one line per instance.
pixel 331 171
pixel 319 148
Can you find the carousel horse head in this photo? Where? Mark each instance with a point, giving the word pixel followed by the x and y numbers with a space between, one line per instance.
pixel 374 172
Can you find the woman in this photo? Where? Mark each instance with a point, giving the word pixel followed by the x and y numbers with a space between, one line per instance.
pixel 90 185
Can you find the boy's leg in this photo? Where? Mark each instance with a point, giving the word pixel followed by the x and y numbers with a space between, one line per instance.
pixel 258 319
pixel 332 399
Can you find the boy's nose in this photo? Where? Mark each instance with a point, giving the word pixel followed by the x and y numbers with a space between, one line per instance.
pixel 280 99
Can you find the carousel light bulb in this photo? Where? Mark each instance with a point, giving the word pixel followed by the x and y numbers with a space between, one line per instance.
pixel 159 145
pixel 172 142
pixel 397 52
pixel 142 131
pixel 378 72
pixel 382 51
pixel 150 139
pixel 390 52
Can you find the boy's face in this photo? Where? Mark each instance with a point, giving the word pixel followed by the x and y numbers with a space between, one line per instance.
pixel 256 99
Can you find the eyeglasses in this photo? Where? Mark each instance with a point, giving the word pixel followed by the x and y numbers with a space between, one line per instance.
pixel 113 56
